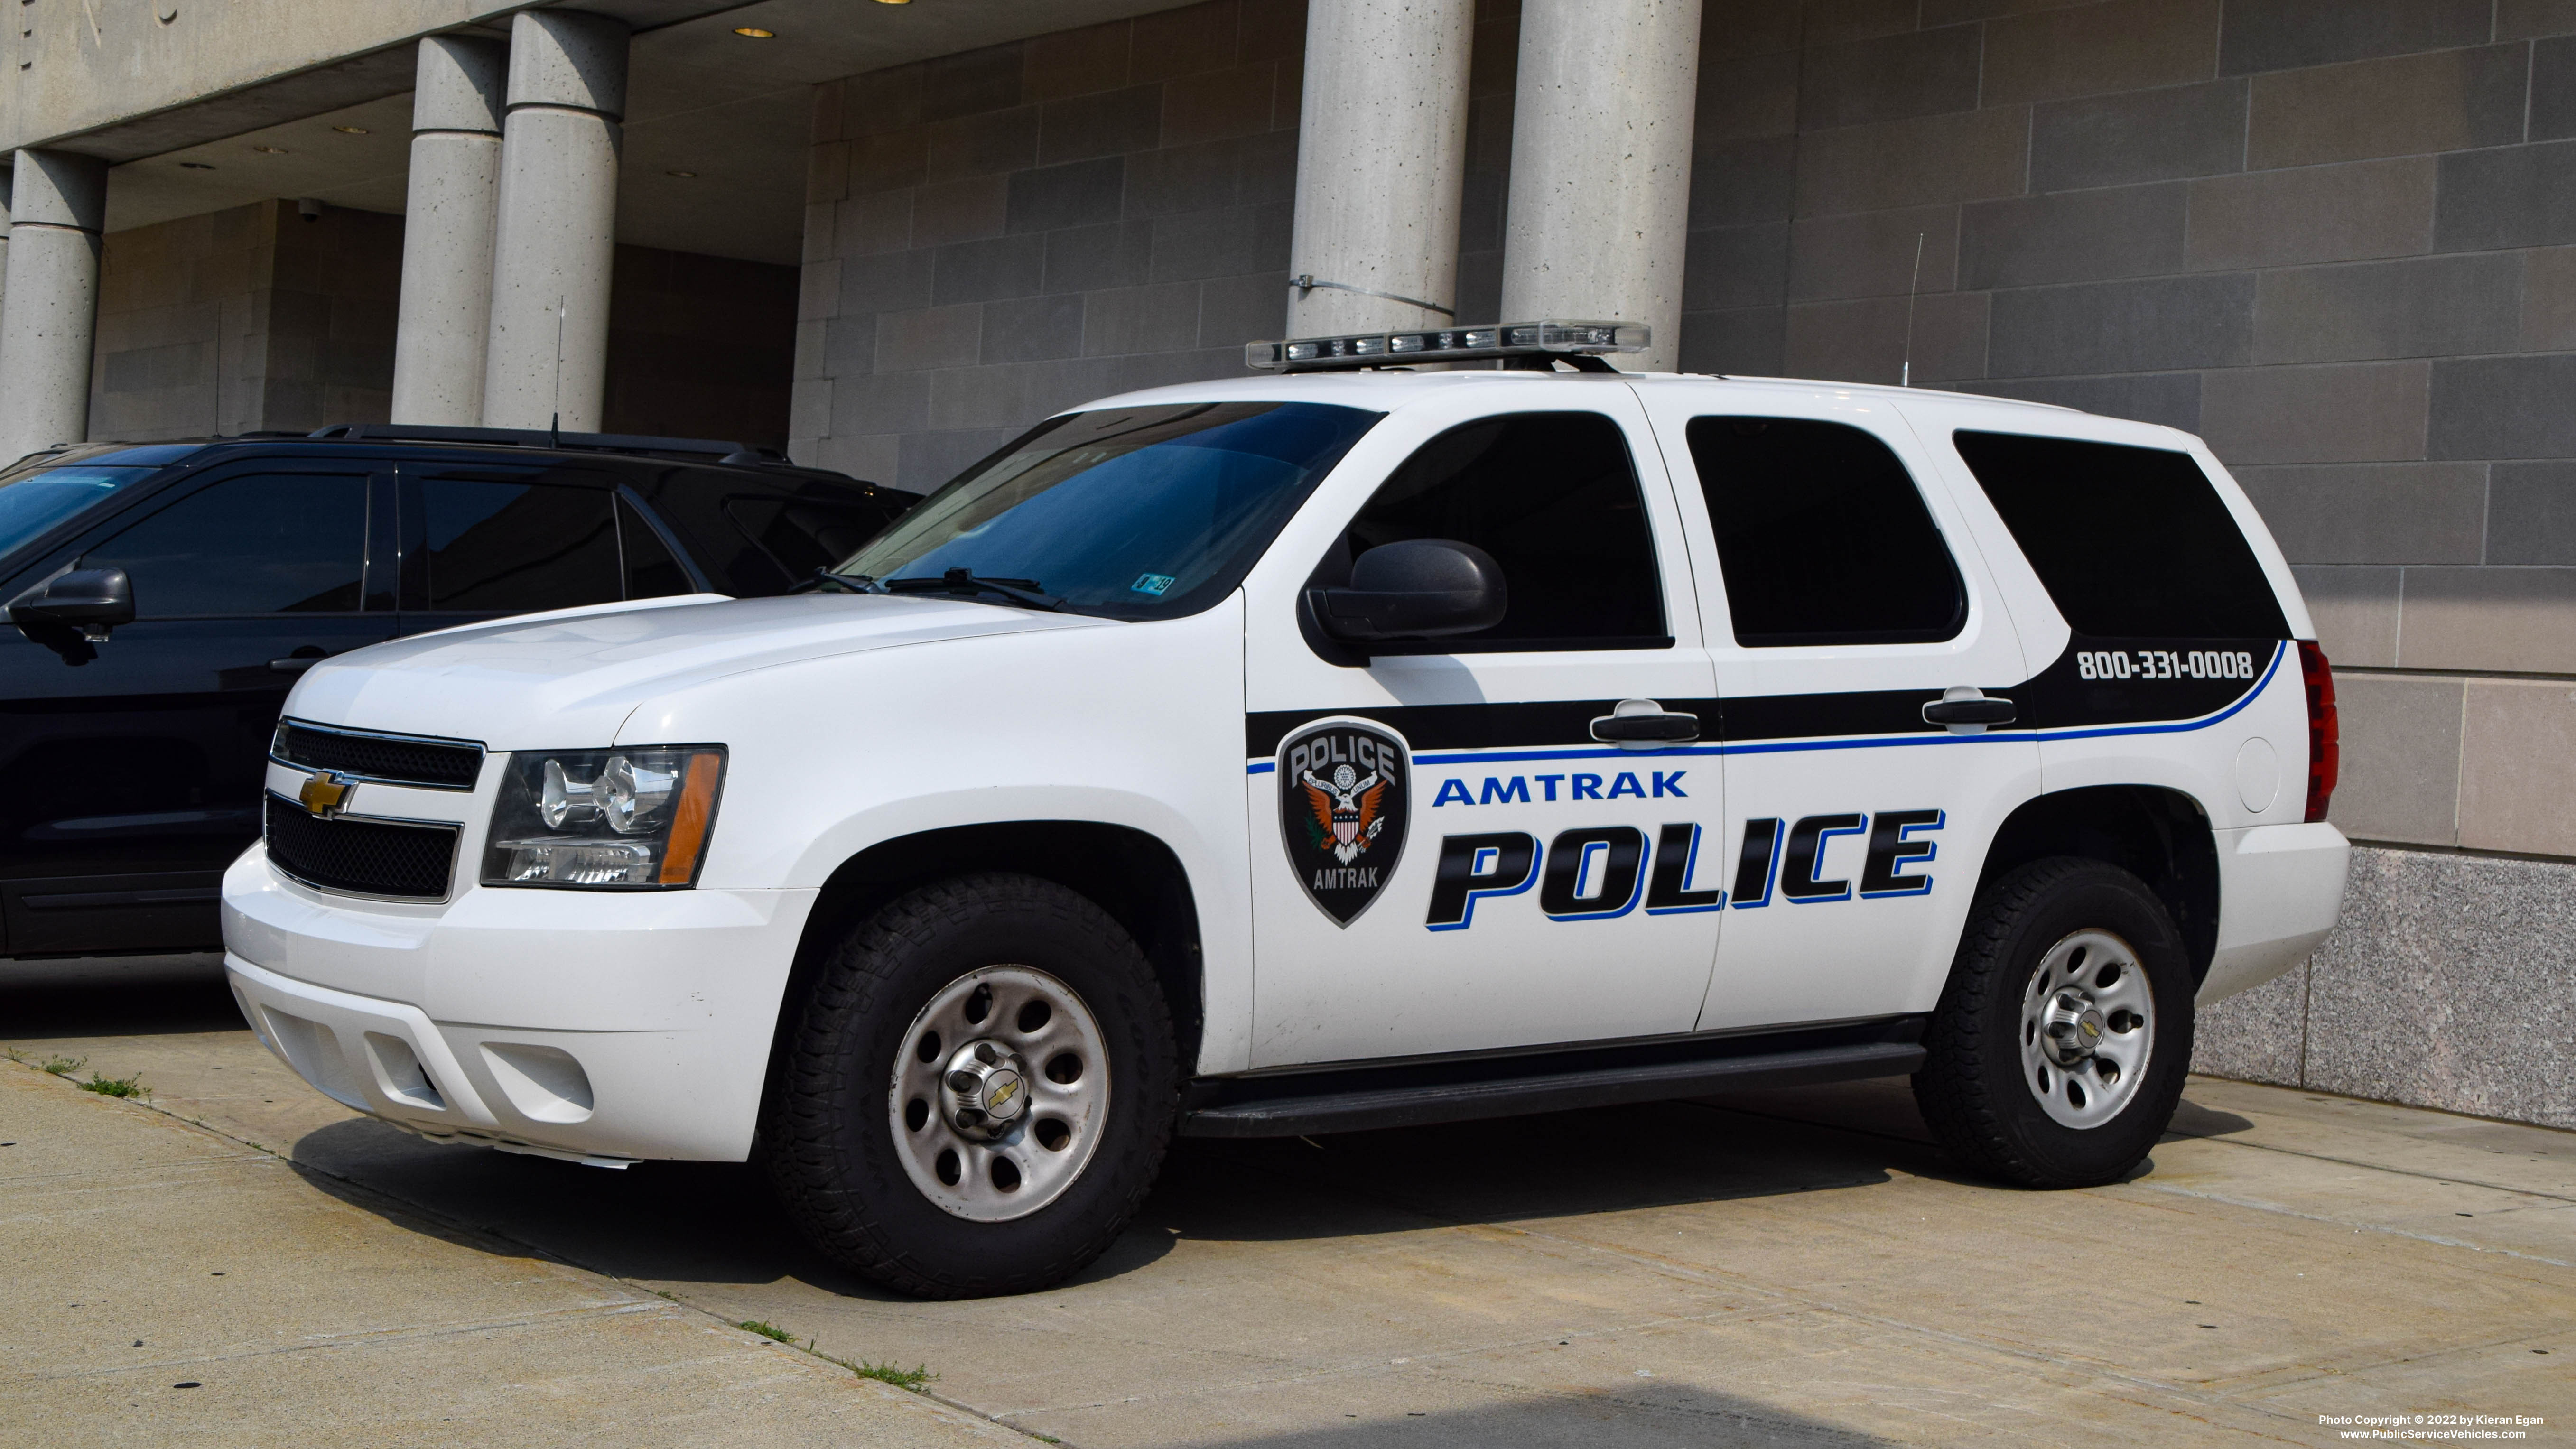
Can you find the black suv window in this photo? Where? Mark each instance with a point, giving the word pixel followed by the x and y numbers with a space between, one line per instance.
pixel 1553 497
pixel 267 543
pixel 2131 542
pixel 754 540
pixel 801 535
pixel 514 548
pixel 1822 536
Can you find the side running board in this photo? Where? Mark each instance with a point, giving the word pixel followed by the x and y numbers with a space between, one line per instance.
pixel 1414 1095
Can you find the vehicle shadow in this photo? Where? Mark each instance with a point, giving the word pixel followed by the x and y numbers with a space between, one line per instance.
pixel 1648 1417
pixel 718 1223
pixel 116 996
pixel 2192 1120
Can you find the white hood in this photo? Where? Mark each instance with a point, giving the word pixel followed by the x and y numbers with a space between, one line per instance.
pixel 569 679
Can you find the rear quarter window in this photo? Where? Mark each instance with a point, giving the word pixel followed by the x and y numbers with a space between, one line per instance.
pixel 2130 542
pixel 755 540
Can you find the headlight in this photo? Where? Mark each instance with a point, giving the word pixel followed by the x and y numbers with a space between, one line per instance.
pixel 630 818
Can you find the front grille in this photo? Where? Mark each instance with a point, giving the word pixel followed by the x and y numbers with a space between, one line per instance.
pixel 368 857
pixel 437 764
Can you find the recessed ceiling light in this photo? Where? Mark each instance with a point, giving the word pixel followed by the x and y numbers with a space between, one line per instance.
pixel 754 32
pixel 350 130
pixel 683 175
pixel 894 2
pixel 272 150
pixel 195 166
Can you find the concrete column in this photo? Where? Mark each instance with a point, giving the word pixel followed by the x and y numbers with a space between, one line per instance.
pixel 1381 163
pixel 4 266
pixel 1601 159
pixel 58 208
pixel 558 222
pixel 446 319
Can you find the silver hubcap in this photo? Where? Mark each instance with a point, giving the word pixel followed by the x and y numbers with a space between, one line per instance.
pixel 1001 1093
pixel 2087 1029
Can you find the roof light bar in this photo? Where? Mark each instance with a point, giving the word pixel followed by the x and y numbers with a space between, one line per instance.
pixel 1536 340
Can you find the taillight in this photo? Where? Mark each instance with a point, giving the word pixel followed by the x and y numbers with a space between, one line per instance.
pixel 2325 748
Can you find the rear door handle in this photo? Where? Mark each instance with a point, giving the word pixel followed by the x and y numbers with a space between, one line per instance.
pixel 1967 710
pixel 297 663
pixel 1642 724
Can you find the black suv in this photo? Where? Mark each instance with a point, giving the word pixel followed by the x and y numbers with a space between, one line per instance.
pixel 132 753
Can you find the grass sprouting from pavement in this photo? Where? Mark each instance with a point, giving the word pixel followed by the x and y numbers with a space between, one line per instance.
pixel 917 1378
pixel 105 1086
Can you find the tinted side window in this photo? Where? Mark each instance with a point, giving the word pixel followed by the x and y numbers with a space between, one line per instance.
pixel 2131 542
pixel 515 548
pixel 1553 497
pixel 277 543
pixel 1823 536
pixel 801 535
pixel 693 504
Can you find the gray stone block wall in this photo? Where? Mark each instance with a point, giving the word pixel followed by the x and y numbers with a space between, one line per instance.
pixel 993 236
pixel 183 326
pixel 2337 240
pixel 2451 983
pixel 256 318
pixel 700 347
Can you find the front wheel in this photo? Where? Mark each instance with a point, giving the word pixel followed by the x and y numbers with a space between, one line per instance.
pixel 977 1091
pixel 2058 1052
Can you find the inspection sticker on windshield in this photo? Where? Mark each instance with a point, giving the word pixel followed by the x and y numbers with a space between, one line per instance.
pixel 1153 584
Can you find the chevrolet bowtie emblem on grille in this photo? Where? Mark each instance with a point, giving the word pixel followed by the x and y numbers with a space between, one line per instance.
pixel 324 794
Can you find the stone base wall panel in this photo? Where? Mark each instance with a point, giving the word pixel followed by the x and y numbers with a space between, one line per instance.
pixel 2451 983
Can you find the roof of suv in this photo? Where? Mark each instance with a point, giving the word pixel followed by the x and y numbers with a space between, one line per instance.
pixel 518 441
pixel 1360 387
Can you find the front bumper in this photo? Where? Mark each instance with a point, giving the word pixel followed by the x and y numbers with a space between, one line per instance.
pixel 601 1027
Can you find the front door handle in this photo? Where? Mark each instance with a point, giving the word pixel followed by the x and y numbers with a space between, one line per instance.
pixel 1642 724
pixel 1966 710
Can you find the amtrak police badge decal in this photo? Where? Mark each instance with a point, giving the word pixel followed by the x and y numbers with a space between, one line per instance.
pixel 1345 790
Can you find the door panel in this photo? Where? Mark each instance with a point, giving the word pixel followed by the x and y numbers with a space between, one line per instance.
pixel 1524 884
pixel 1842 594
pixel 134 767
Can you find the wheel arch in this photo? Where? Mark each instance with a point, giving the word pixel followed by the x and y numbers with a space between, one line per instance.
pixel 2160 835
pixel 1130 873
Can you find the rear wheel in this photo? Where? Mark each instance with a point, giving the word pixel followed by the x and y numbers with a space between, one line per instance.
pixel 2058 1052
pixel 977 1091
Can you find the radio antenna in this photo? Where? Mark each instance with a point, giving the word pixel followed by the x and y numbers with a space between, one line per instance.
pixel 561 306
pixel 1905 365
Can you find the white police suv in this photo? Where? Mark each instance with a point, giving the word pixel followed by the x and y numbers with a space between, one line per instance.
pixel 1329 750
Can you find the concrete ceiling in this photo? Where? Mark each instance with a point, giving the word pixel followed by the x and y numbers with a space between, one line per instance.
pixel 701 99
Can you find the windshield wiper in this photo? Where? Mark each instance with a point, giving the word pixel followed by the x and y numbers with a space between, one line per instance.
pixel 826 580
pixel 1024 591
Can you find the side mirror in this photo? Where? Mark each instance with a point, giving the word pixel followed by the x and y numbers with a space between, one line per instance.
pixel 1417 589
pixel 89 602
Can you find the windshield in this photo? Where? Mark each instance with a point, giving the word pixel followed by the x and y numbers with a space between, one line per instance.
pixel 39 498
pixel 1132 513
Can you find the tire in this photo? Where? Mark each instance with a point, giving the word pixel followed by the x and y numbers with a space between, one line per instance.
pixel 2016 1084
pixel 863 1130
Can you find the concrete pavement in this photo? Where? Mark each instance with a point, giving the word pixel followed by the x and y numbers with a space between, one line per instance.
pixel 167 1284
pixel 1788 1267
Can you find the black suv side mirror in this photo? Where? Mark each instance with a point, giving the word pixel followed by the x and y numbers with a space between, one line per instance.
pixel 1418 588
pixel 88 601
